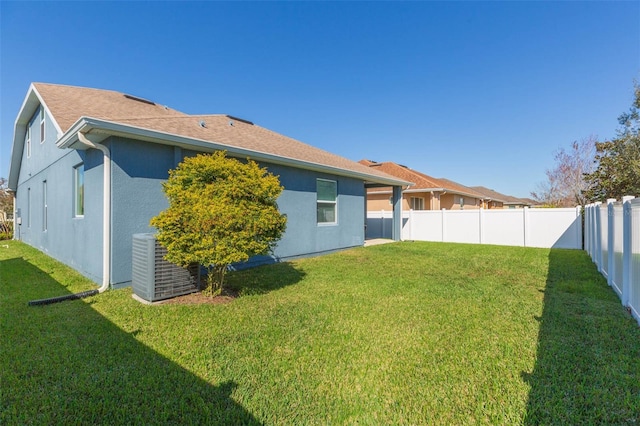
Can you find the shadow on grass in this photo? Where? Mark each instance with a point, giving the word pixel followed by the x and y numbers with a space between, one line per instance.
pixel 67 364
pixel 264 279
pixel 588 360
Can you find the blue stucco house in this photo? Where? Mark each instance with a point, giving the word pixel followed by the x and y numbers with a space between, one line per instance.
pixel 87 167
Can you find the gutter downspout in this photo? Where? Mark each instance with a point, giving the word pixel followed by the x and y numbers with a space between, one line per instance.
pixel 106 210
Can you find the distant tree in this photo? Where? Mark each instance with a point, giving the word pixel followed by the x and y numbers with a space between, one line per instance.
pixel 6 209
pixel 547 193
pixel 618 161
pixel 6 199
pixel 566 183
pixel 221 211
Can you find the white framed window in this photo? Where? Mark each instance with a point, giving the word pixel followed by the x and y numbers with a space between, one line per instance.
pixel 44 205
pixel 417 203
pixel 41 124
pixel 78 189
pixel 327 201
pixel 461 202
pixel 28 141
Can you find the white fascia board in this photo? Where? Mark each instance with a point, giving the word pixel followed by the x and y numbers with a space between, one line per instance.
pixel 103 129
pixel 31 103
pixel 424 190
pixel 488 198
pixel 478 196
pixel 408 191
pixel 448 191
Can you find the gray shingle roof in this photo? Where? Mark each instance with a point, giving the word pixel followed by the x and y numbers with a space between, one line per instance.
pixel 69 104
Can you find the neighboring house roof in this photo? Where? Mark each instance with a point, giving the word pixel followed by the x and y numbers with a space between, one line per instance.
pixel 490 194
pixel 422 182
pixel 496 196
pixel 530 202
pixel 100 113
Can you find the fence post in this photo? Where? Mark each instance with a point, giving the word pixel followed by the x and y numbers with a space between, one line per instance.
pixel 480 224
pixel 525 225
pixel 410 224
pixel 579 232
pixel 444 225
pixel 611 267
pixel 587 229
pixel 626 249
pixel 598 235
pixel 382 223
pixel 592 231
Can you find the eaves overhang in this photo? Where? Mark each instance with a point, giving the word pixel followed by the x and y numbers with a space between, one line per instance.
pixel 445 190
pixel 414 190
pixel 97 130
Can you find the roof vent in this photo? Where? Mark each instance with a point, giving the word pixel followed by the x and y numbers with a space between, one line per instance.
pixel 135 98
pixel 239 119
pixel 202 123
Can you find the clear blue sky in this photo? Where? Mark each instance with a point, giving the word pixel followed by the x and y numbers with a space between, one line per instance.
pixel 482 93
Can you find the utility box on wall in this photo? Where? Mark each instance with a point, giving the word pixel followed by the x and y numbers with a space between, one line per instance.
pixel 153 278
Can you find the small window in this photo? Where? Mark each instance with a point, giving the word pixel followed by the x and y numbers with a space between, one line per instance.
pixel 44 205
pixel 461 202
pixel 327 201
pixel 28 142
pixel 417 203
pixel 78 177
pixel 41 124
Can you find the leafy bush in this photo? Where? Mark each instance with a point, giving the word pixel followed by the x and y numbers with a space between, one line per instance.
pixel 221 211
pixel 6 230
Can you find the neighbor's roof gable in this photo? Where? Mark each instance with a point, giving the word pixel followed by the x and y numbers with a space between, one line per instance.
pixel 421 180
pixel 497 196
pixel 490 193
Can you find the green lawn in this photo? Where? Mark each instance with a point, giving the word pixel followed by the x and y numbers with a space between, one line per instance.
pixel 406 333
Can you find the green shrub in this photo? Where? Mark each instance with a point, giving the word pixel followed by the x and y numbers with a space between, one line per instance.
pixel 221 211
pixel 6 230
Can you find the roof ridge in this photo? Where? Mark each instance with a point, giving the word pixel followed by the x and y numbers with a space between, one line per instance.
pixel 415 172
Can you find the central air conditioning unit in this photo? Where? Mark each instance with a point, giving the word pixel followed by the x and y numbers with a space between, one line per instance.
pixel 153 278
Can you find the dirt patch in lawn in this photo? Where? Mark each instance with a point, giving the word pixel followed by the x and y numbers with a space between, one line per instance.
pixel 227 296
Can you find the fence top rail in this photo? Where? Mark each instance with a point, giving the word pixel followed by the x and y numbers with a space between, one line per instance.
pixel 634 200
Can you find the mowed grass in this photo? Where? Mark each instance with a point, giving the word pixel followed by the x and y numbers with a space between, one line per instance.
pixel 405 333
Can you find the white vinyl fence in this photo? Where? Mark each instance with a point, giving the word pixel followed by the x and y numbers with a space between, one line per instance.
pixel 612 239
pixel 548 228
